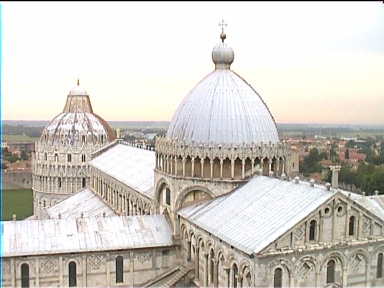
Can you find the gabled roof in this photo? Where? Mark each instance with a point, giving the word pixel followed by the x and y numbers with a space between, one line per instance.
pixel 73 235
pixel 129 165
pixel 84 202
pixel 256 214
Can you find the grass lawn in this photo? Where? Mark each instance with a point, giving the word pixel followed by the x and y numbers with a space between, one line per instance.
pixel 17 201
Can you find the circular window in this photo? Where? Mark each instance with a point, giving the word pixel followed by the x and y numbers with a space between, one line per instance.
pixel 326 210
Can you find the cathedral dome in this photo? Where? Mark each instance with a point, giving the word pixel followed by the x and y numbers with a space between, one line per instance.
pixel 77 123
pixel 223 109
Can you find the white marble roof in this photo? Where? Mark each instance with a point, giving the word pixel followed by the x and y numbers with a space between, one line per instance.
pixel 257 213
pixel 130 165
pixel 83 202
pixel 223 109
pixel 374 204
pixel 49 236
pixel 84 123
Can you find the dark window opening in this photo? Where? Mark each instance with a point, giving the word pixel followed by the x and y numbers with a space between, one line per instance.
pixel 167 196
pixel 351 225
pixel 69 157
pixel 24 275
pixel 331 271
pixel 84 182
pixel 119 269
pixel 56 157
pixel 312 230
pixel 59 182
pixel 83 158
pixel 379 271
pixel 278 278
pixel 83 139
pixel 72 274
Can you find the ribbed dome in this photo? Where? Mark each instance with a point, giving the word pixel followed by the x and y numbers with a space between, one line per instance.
pixel 223 109
pixel 77 120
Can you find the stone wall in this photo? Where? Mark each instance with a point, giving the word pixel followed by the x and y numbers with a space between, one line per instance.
pixel 93 269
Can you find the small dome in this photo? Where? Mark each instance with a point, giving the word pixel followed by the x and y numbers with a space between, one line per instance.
pixel 222 56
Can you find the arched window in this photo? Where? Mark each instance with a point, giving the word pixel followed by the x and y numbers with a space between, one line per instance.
pixel 45 156
pixel 278 278
pixel 83 158
pixel 379 269
pixel 72 274
pixel 24 275
pixel 167 196
pixel 331 271
pixel 69 157
pixel 56 157
pixel 84 182
pixel 351 225
pixel 211 266
pixel 83 138
pixel 235 275
pixel 59 182
pixel 312 230
pixel 119 269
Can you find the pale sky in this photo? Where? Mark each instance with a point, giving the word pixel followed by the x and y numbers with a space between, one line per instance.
pixel 315 62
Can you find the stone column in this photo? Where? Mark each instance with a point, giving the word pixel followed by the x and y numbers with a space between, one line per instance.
pixel 202 167
pixel 13 272
pixel 176 166
pixel 197 259
pixel 84 270
pixel 221 168
pixel 253 165
pixel 61 272
pixel 228 274
pixel 335 175
pixel 206 269
pixel 243 168
pixel 277 167
pixel 37 282
pixel 193 167
pixel 232 168
pixel 211 162
pixel 183 163
pixel 108 268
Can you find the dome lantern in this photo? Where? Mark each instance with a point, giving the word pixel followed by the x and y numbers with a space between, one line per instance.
pixel 222 54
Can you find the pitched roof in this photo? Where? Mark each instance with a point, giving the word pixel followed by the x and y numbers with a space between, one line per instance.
pixel 129 165
pixel 257 213
pixel 49 236
pixel 83 202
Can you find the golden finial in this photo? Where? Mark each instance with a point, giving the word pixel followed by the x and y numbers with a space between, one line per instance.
pixel 223 35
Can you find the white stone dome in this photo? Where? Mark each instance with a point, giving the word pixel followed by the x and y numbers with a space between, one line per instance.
pixel 77 120
pixel 223 109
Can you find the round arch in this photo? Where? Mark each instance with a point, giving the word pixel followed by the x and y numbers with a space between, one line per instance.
pixel 181 197
pixel 159 185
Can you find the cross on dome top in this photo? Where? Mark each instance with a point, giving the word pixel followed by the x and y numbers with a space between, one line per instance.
pixel 223 35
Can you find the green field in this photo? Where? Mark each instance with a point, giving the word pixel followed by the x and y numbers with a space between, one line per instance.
pixel 17 201
pixel 19 138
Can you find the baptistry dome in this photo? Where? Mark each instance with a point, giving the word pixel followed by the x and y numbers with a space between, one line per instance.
pixel 77 124
pixel 223 109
